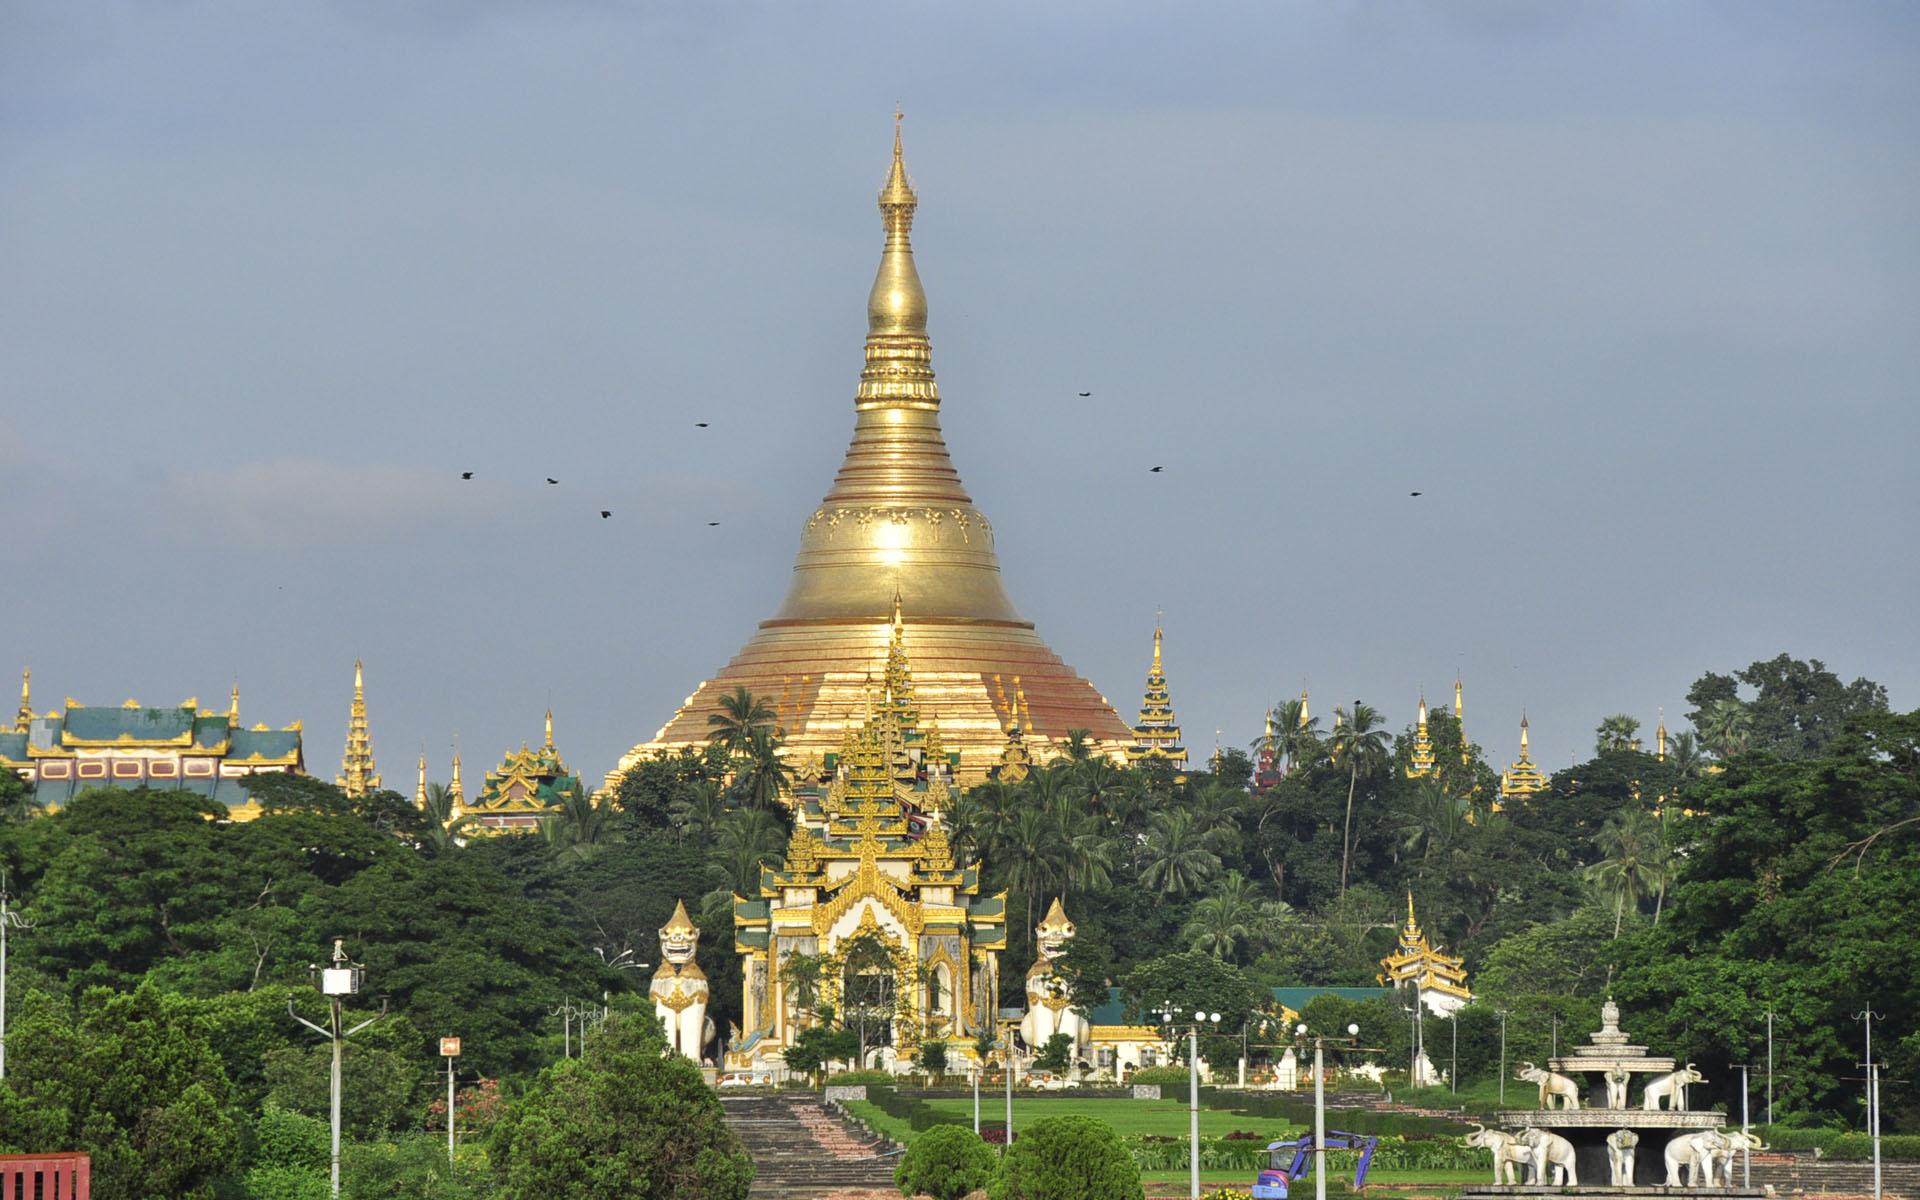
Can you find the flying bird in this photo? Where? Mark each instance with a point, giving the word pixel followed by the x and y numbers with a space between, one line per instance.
pixel 466 474
pixel 699 424
pixel 551 479
pixel 605 513
pixel 1086 393
pixel 1414 493
pixel 1156 470
pixel 711 524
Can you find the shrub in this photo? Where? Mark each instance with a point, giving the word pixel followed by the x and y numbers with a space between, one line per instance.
pixel 1159 1075
pixel 1068 1158
pixel 946 1163
pixel 868 1076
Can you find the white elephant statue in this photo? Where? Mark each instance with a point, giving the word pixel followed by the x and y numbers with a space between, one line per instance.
pixel 1617 1082
pixel 1736 1142
pixel 1552 1085
pixel 1671 1087
pixel 1620 1152
pixel 1506 1150
pixel 1551 1150
pixel 1698 1153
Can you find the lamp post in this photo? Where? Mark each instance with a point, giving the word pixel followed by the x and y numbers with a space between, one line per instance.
pixel 1746 1133
pixel 1010 1027
pixel 1873 1095
pixel 450 1050
pixel 8 918
pixel 1453 1070
pixel 1502 1014
pixel 1320 1105
pixel 1769 1068
pixel 1167 1016
pixel 337 980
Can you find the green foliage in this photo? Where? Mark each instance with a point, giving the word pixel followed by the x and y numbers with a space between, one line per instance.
pixel 130 1080
pixel 1798 707
pixel 626 1121
pixel 384 1078
pixel 284 1139
pixel 1055 1055
pixel 1162 1075
pixel 1068 1158
pixel 415 1168
pixel 932 1057
pixel 945 1163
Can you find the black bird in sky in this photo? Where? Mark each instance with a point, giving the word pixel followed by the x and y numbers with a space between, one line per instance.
pixel 551 479
pixel 1086 393
pixel 605 513
pixel 1413 493
pixel 1157 470
pixel 711 524
pixel 699 424
pixel 466 474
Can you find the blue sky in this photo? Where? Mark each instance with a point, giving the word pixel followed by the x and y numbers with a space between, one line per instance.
pixel 1628 291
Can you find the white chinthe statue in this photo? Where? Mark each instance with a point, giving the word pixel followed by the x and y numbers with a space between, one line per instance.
pixel 1698 1153
pixel 679 988
pixel 1551 1150
pixel 1552 1085
pixel 1620 1151
pixel 1671 1087
pixel 1048 1009
pixel 1507 1151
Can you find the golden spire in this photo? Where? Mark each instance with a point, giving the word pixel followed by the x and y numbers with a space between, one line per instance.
pixel 1523 735
pixel 1460 719
pixel 1421 762
pixel 1523 778
pixel 24 721
pixel 1411 923
pixel 420 788
pixel 454 790
pixel 1660 736
pixel 357 774
pixel 1306 718
pixel 1157 736
pixel 549 746
pixel 233 707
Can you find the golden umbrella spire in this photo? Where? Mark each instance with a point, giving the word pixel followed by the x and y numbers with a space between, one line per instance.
pixel 24 721
pixel 357 775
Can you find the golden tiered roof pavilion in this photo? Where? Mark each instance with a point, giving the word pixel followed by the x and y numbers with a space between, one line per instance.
pixel 1439 980
pixel 1523 778
pixel 897 520
pixel 1157 737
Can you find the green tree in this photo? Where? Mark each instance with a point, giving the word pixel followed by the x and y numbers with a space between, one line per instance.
pixel 625 1121
pixel 946 1162
pixel 741 712
pixel 17 800
pixel 1632 858
pixel 764 777
pixel 1363 744
pixel 1798 707
pixel 746 841
pixel 582 827
pixel 1726 726
pixel 445 831
pixel 1056 1055
pixel 1228 920
pixel 1617 732
pixel 932 1058
pixel 1177 860
pixel 1068 1158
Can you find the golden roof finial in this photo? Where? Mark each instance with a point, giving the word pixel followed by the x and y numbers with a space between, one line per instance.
pixel 1423 708
pixel 549 729
pixel 1459 701
pixel 679 922
pixel 1660 735
pixel 454 789
pixel 358 775
pixel 1411 923
pixel 1523 734
pixel 1306 718
pixel 24 721
pixel 897 305
pixel 420 788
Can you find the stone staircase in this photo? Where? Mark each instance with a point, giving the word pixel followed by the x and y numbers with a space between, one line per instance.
pixel 803 1152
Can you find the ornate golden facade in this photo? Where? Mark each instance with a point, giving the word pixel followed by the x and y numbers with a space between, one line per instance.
pixel 1523 778
pixel 358 775
pixel 1157 737
pixel 1439 980
pixel 897 521
pixel 1420 763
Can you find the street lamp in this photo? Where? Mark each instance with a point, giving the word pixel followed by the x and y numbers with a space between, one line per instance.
pixel 1200 1018
pixel 336 981
pixel 450 1050
pixel 1502 1014
pixel 8 918
pixel 1769 1068
pixel 1320 1105
pixel 1873 1094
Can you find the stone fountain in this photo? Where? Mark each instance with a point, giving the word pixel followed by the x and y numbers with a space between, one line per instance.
pixel 1609 1113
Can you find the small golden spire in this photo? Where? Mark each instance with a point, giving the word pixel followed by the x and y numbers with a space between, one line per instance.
pixel 233 706
pixel 899 367
pixel 1523 735
pixel 1459 701
pixel 1660 735
pixel 549 729
pixel 454 789
pixel 420 788
pixel 24 721
pixel 1306 718
pixel 1411 923
pixel 1423 710
pixel 358 775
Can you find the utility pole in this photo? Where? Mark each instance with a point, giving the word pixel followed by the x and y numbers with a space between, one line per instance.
pixel 1769 1068
pixel 1502 1014
pixel 1009 1143
pixel 1453 1074
pixel 1873 1095
pixel 8 917
pixel 450 1050
pixel 336 981
pixel 1746 1130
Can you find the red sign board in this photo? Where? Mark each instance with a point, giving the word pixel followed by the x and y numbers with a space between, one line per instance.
pixel 65 1176
pixel 450 1047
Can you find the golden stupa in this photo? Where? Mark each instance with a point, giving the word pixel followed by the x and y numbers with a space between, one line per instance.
pixel 897 526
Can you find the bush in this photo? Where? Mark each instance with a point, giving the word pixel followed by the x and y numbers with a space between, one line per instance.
pixel 1159 1075
pixel 1068 1158
pixel 946 1164
pixel 1841 1143
pixel 868 1076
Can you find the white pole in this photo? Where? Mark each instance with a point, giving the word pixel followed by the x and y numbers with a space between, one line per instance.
pixel 449 1111
pixel 333 1158
pixel 1009 1145
pixel 1503 1058
pixel 1769 1067
pixel 3 985
pixel 1319 1122
pixel 1746 1131
pixel 1873 1091
pixel 1193 1113
pixel 1453 1072
pixel 976 1098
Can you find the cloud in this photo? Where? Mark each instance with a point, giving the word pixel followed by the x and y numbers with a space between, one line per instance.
pixel 306 503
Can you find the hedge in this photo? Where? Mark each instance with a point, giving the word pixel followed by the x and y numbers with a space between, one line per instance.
pixel 1228 1154
pixel 1298 1111
pixel 1842 1143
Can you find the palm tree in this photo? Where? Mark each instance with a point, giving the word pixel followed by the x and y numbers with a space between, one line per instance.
pixel 579 828
pixel 1088 856
pixel 1726 727
pixel 1079 745
pixel 746 841
pixel 764 776
pixel 1632 851
pixel 1684 756
pixel 1298 740
pixel 1032 855
pixel 697 808
pixel 1435 825
pixel 1103 785
pixel 18 801
pixel 802 974
pixel 1177 860
pixel 1224 920
pixel 741 712
pixel 1360 740
pixel 1616 733
pixel 444 830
